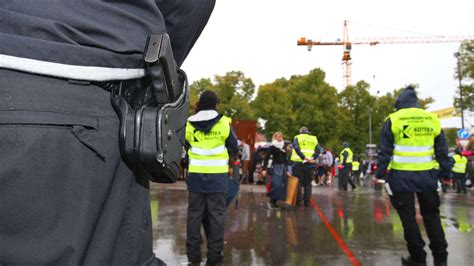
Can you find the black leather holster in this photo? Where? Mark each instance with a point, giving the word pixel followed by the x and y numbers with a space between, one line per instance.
pixel 153 113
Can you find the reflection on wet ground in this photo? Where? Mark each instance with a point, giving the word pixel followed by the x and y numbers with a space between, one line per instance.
pixel 368 228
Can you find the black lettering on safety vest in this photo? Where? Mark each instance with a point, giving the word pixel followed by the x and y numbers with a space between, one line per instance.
pixel 407 132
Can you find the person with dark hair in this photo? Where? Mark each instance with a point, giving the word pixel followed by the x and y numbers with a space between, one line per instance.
pixel 68 194
pixel 305 151
pixel 211 141
pixel 409 139
pixel 459 171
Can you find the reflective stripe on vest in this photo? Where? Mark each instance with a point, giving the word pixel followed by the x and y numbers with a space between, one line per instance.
pixel 350 154
pixel 214 151
pixel 460 163
pixel 307 144
pixel 208 154
pixel 414 131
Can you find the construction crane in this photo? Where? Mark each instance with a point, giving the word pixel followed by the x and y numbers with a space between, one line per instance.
pixel 347 46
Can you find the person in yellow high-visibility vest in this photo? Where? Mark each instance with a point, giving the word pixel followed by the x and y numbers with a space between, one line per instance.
pixel 356 170
pixel 459 171
pixel 346 157
pixel 210 141
pixel 305 151
pixel 409 140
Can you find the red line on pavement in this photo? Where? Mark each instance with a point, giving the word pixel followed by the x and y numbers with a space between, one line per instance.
pixel 336 236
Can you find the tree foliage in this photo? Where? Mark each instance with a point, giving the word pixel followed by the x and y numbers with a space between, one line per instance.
pixel 305 100
pixel 465 72
pixel 234 90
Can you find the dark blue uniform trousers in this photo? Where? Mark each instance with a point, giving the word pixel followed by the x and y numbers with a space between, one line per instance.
pixel 404 203
pixel 66 197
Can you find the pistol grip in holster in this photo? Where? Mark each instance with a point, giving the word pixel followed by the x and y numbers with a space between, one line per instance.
pixel 151 136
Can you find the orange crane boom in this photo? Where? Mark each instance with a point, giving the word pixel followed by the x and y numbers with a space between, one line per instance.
pixel 347 60
pixel 389 40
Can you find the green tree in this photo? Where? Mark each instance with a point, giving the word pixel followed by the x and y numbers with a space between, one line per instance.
pixel 302 100
pixel 356 103
pixel 234 91
pixel 451 134
pixel 196 88
pixel 273 104
pixel 466 71
pixel 314 104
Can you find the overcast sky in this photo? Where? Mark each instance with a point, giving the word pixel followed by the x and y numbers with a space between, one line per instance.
pixel 258 37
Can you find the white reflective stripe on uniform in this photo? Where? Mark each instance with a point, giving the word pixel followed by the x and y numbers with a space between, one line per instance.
pixel 196 162
pixel 308 151
pixel 200 151
pixel 412 159
pixel 94 73
pixel 401 148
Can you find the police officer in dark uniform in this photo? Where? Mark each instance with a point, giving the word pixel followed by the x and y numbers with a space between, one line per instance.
pixel 66 195
pixel 409 139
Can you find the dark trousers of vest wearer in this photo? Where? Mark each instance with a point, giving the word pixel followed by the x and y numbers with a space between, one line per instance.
pixel 344 177
pixel 460 180
pixel 211 205
pixel 304 174
pixel 404 203
pixel 66 196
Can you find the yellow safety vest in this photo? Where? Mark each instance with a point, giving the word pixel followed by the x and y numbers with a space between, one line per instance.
pixel 228 119
pixel 208 153
pixel 355 166
pixel 414 131
pixel 350 154
pixel 460 164
pixel 307 144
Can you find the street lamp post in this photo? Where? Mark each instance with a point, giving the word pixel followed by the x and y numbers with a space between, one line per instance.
pixel 370 125
pixel 457 55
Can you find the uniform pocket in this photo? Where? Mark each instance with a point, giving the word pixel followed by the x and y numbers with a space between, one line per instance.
pixel 81 126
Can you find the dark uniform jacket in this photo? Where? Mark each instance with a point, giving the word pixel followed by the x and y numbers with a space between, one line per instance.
pixel 94 40
pixel 410 181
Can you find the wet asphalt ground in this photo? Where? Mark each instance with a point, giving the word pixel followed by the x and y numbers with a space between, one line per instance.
pixel 339 228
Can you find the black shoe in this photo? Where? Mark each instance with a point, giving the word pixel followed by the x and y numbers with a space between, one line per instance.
pixel 410 262
pixel 195 261
pixel 272 206
pixel 306 203
pixel 216 261
pixel 298 204
pixel 440 263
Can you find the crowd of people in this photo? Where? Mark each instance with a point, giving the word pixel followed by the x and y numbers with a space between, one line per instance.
pixel 409 163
